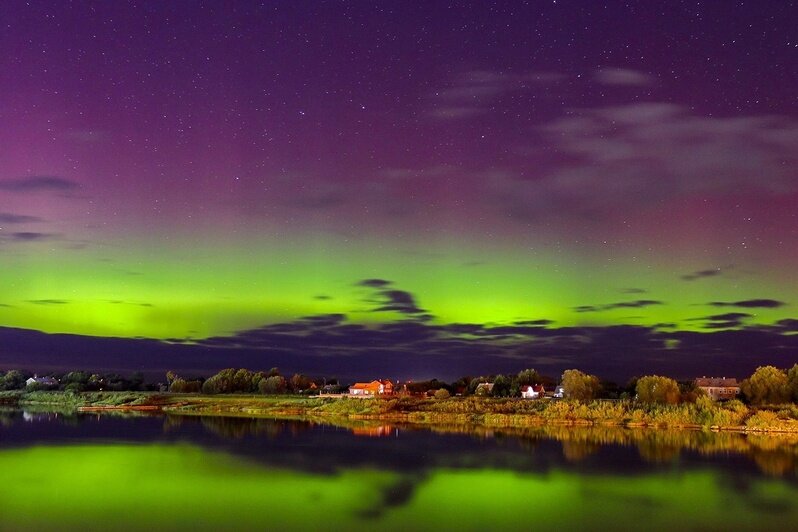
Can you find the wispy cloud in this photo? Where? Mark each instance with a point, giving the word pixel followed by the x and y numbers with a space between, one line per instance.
pixel 634 291
pixel 628 158
pixel 701 274
pixel 472 93
pixel 39 183
pixel 749 303
pixel 730 320
pixel 11 218
pixel 31 236
pixel 48 301
pixel 623 77
pixel 640 303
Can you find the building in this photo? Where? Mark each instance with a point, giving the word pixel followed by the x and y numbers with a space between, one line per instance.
pixel 42 381
pixel 535 391
pixel 484 388
pixel 718 388
pixel 559 391
pixel 362 389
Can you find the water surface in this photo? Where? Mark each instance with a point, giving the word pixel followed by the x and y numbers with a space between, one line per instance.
pixel 91 472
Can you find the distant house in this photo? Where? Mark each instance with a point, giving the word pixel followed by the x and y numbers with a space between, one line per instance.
pixel 42 381
pixel 381 387
pixel 559 391
pixel 532 392
pixel 718 388
pixel 485 388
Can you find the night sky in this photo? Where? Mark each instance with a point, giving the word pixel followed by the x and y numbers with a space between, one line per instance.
pixel 399 189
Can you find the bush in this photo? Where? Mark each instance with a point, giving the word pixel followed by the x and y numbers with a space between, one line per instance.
pixel 273 385
pixel 768 385
pixel 656 389
pixel 762 420
pixel 442 394
pixel 580 386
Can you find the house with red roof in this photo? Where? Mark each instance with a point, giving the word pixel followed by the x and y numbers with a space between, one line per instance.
pixel 373 388
pixel 534 391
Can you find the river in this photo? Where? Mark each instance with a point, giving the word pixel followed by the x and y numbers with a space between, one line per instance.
pixel 106 472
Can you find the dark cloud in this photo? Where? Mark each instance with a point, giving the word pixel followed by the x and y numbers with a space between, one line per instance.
pixel 40 183
pixel 634 291
pixel 701 274
pixel 132 303
pixel 10 218
pixel 387 299
pixel 729 320
pixel 48 301
pixel 30 236
pixel 331 345
pixel 399 301
pixel 640 303
pixel 749 303
pixel 789 324
pixel 374 283
pixel 534 323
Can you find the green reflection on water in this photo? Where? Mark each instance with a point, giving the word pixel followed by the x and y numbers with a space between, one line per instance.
pixel 186 487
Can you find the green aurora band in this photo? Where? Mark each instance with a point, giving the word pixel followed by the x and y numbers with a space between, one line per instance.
pixel 190 291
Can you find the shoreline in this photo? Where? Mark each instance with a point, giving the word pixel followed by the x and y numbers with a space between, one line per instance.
pixel 489 413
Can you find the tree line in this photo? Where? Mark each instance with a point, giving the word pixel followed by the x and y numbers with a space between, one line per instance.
pixel 77 381
pixel 767 385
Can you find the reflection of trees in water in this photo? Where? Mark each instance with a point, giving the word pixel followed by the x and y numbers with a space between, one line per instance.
pixel 576 451
pixel 240 427
pixel 652 451
pixel 776 463
pixel 172 423
pixel 775 454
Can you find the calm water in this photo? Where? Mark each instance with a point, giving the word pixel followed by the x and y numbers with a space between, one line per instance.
pixel 172 473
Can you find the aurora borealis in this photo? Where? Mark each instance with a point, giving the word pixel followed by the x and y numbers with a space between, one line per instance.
pixel 389 188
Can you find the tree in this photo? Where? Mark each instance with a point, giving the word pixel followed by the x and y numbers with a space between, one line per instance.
pixel 501 386
pixel 528 377
pixel 177 385
pixel 442 394
pixel 474 384
pixel 75 381
pixel 580 386
pixel 768 385
pixel 300 383
pixel 12 380
pixel 792 382
pixel 272 385
pixel 656 389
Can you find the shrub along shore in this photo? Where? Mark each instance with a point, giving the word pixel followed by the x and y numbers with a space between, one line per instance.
pixel 468 411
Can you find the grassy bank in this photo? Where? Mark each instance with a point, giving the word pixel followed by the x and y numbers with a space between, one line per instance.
pixel 472 411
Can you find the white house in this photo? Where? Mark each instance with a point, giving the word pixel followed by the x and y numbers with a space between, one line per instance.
pixel 559 391
pixel 532 392
pixel 42 381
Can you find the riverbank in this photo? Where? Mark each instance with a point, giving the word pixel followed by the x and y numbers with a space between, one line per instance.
pixel 472 411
